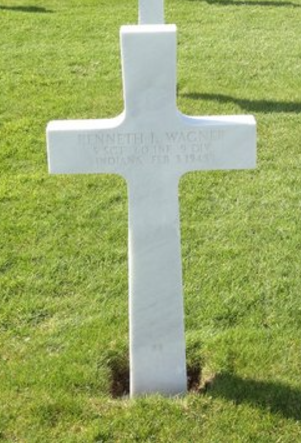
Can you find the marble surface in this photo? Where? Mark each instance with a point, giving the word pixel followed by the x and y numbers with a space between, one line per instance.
pixel 152 145
pixel 151 12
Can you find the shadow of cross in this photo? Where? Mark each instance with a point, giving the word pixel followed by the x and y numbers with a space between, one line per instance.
pixel 151 144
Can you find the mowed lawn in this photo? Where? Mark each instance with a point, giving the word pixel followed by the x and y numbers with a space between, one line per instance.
pixel 63 239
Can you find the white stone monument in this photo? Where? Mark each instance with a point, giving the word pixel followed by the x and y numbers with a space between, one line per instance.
pixel 151 12
pixel 151 144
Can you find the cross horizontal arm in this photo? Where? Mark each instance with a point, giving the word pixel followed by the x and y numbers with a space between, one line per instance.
pixel 151 134
pixel 85 146
pixel 215 143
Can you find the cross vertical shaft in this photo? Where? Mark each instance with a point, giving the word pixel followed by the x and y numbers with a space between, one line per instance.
pixel 157 343
pixel 151 12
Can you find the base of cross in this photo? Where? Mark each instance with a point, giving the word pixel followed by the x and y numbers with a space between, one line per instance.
pixel 152 145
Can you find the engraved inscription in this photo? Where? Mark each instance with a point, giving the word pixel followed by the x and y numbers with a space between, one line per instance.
pixel 149 148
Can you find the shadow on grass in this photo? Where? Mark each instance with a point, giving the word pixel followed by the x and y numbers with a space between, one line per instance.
pixel 264 106
pixel 120 382
pixel 26 9
pixel 275 397
pixel 250 3
pixel 120 378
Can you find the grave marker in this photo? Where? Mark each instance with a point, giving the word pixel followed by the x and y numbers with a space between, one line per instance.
pixel 151 144
pixel 151 12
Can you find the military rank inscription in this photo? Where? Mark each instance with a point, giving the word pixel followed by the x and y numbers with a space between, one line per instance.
pixel 149 148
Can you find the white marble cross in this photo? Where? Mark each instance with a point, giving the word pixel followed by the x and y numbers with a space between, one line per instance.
pixel 151 144
pixel 151 12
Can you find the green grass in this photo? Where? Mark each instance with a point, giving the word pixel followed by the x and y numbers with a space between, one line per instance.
pixel 63 242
